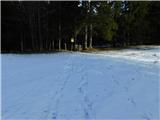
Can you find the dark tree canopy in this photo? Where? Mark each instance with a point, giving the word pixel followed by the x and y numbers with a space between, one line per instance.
pixel 48 26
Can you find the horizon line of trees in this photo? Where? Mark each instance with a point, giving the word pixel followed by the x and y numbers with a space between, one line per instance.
pixel 75 25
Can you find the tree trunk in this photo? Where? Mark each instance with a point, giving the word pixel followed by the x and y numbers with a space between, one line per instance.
pixel 65 46
pixel 86 37
pixel 91 27
pixel 31 27
pixel 22 31
pixel 59 28
pixel 75 40
pixel 59 39
pixel 53 44
pixel 90 42
pixel 48 43
pixel 22 41
pixel 39 28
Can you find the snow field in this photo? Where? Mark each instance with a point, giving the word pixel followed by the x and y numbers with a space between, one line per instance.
pixel 105 85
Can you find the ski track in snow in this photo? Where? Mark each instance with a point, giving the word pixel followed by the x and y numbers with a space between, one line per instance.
pixel 80 86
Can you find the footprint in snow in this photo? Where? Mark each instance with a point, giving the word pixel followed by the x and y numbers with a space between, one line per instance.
pixel 117 83
pixel 45 111
pixel 133 78
pixel 86 115
pixel 145 116
pixel 54 115
pixel 111 66
pixel 155 62
pixel 132 101
pixel 155 55
pixel 126 89
pixel 80 89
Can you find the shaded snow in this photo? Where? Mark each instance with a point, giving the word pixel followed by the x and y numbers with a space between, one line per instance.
pixel 107 85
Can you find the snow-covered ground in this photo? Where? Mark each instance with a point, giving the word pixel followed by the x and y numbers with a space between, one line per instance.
pixel 105 85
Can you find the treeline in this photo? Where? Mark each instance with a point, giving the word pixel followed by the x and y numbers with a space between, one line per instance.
pixel 50 25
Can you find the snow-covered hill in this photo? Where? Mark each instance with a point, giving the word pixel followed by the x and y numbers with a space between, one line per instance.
pixel 105 85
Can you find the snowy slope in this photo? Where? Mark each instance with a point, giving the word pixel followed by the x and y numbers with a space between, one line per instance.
pixel 105 85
